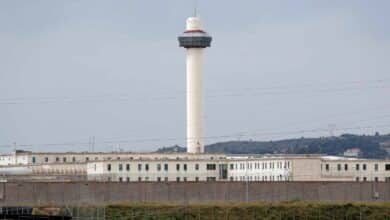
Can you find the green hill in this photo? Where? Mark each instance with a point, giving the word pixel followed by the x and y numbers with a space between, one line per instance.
pixel 371 146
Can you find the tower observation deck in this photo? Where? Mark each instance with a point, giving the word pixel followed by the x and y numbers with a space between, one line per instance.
pixel 194 36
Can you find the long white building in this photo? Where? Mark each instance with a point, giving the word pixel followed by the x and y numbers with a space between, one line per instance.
pixel 127 166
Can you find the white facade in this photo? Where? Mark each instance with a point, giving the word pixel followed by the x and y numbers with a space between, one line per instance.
pixel 205 168
pixel 15 158
pixel 243 168
pixel 259 169
pixel 336 169
pixel 31 158
pixel 157 170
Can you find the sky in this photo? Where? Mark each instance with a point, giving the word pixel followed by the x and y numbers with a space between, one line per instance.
pixel 78 72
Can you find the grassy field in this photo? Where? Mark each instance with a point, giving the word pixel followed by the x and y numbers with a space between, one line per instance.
pixel 265 211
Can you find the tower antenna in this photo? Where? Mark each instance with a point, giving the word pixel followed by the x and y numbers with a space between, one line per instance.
pixel 195 8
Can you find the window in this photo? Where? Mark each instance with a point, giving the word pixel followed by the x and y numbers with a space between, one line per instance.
pixel 345 166
pixel 57 159
pixel 327 167
pixel 196 166
pixel 387 167
pixel 158 167
pixel 33 159
pixel 376 167
pixel 127 167
pixel 357 166
pixel 120 179
pixel 139 179
pixel 87 159
pixel 108 167
pixel 158 179
pixel 210 179
pixel 46 159
pixel 177 167
pixel 139 167
pixel 64 159
pixel 185 167
pixel 128 179
pixel 196 179
pixel 364 166
pixel 147 167
pixel 338 167
pixel 166 167
pixel 376 179
pixel 357 179
pixel 185 179
pixel 211 166
pixel 166 179
pixel 364 179
pixel 177 179
pixel 120 167
pixel 232 166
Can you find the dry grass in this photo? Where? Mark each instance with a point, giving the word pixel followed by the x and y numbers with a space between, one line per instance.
pixel 266 211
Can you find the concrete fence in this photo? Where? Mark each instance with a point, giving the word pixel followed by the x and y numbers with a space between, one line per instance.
pixel 99 193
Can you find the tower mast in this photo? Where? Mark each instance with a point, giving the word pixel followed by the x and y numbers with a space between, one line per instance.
pixel 195 40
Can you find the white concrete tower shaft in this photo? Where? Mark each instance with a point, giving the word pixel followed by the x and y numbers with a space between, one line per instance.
pixel 194 40
pixel 195 100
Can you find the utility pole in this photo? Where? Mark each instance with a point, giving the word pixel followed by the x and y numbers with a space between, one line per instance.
pixel 93 143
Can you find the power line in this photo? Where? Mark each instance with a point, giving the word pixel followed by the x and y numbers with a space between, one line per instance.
pixel 244 134
pixel 275 90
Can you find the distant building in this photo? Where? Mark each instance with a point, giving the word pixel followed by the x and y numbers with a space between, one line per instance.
pixel 352 152
pixel 385 146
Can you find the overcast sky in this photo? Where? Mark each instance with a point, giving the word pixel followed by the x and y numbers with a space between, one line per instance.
pixel 71 70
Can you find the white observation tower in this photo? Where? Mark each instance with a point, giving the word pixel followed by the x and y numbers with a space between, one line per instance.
pixel 194 39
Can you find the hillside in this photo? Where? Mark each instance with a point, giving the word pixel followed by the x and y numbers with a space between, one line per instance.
pixel 370 146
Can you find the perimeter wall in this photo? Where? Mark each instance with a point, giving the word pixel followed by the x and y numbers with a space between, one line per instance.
pixel 99 193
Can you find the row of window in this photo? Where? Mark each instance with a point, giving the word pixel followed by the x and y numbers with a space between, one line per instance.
pixel 159 167
pixel 260 165
pixel 259 178
pixel 357 167
pixel 63 160
pixel 160 179
pixel 72 159
pixel 86 159
pixel 376 179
